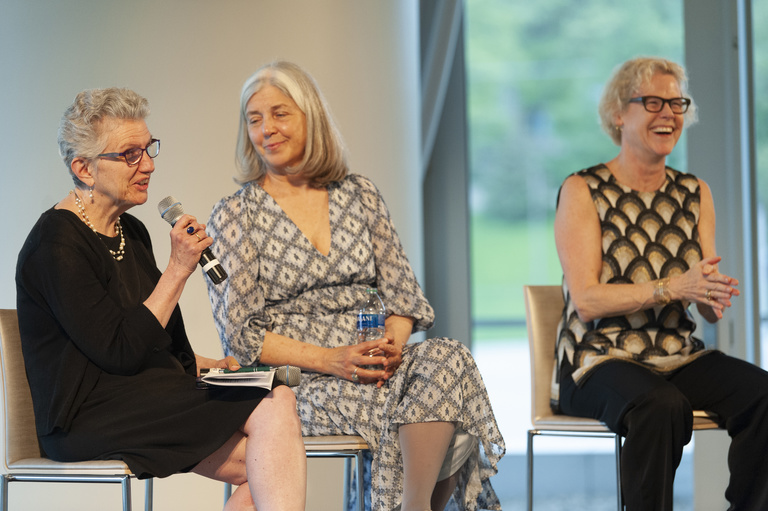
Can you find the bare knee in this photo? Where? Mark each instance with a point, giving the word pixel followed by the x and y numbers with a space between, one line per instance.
pixel 283 400
pixel 278 409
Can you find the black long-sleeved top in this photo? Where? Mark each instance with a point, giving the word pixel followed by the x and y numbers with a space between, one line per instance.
pixel 81 313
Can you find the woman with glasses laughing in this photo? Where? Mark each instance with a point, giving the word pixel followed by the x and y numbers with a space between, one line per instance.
pixel 636 241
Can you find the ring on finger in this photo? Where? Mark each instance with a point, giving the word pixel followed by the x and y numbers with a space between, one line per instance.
pixel 708 294
pixel 355 378
pixel 198 237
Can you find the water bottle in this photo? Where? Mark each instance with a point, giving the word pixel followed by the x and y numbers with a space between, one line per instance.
pixel 370 317
pixel 370 322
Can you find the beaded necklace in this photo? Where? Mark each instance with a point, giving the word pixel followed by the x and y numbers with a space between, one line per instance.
pixel 118 256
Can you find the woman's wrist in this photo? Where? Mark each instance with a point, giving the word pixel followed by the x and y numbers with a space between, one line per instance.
pixel 661 294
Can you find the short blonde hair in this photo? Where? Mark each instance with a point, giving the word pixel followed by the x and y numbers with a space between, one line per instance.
pixel 325 158
pixel 627 79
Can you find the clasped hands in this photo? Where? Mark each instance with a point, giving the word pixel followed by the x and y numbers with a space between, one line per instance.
pixel 705 285
pixel 358 362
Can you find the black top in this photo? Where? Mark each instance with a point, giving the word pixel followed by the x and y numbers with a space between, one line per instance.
pixel 95 354
pixel 81 312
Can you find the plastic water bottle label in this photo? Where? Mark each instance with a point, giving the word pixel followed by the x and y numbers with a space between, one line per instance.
pixel 370 321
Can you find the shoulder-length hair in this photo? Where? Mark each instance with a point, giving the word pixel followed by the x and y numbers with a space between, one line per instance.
pixel 627 79
pixel 325 158
pixel 82 130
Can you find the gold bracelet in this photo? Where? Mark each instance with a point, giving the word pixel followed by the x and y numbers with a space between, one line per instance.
pixel 661 292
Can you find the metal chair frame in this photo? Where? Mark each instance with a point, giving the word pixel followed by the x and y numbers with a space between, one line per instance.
pixel 24 461
pixel 348 447
pixel 543 309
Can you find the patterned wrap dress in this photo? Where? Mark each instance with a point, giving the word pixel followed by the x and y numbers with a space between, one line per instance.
pixel 279 282
pixel 645 236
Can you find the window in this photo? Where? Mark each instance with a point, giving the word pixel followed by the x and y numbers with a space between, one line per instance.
pixel 535 72
pixel 760 55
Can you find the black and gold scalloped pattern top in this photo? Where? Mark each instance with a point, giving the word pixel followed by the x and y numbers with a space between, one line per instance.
pixel 645 236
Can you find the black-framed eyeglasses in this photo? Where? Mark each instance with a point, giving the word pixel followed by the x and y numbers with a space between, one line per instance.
pixel 655 104
pixel 133 156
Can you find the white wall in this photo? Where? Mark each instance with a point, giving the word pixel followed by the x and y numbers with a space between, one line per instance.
pixel 190 58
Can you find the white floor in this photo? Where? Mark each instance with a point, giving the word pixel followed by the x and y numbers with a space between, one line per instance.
pixel 505 367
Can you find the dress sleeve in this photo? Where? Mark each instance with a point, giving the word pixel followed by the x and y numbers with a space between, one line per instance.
pixel 72 279
pixel 238 302
pixel 395 280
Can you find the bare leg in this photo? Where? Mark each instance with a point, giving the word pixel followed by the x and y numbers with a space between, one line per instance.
pixel 270 457
pixel 277 477
pixel 443 491
pixel 424 446
pixel 227 464
pixel 240 500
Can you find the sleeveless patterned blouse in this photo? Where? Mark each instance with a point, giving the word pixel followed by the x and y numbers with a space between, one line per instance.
pixel 645 236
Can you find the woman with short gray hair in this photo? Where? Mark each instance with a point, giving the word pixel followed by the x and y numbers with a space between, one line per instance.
pixel 112 373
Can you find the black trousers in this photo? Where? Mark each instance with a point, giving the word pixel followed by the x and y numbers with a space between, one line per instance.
pixel 654 414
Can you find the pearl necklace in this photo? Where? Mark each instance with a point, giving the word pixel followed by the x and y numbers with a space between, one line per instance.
pixel 119 228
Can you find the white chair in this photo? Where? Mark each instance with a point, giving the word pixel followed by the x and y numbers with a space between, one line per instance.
pixel 335 446
pixel 543 309
pixel 24 460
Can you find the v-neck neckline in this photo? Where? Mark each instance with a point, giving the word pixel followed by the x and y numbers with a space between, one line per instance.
pixel 276 205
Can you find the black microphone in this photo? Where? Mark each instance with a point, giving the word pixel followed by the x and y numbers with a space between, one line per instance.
pixel 171 210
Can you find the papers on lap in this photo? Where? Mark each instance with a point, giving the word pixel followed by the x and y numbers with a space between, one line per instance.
pixel 265 377
pixel 260 376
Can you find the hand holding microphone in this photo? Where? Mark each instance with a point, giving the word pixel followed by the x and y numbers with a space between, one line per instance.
pixel 171 210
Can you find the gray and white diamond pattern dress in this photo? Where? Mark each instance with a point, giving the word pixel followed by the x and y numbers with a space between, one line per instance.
pixel 279 282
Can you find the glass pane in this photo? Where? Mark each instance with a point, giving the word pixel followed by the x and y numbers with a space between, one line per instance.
pixel 535 72
pixel 760 55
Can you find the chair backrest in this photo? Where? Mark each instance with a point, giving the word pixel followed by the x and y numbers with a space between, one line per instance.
pixel 20 437
pixel 543 309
